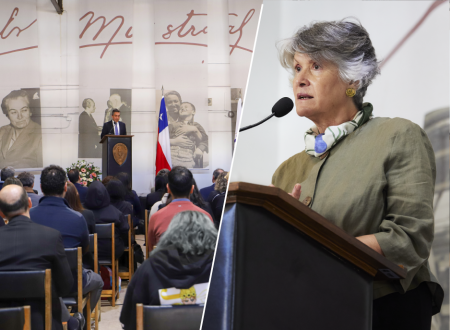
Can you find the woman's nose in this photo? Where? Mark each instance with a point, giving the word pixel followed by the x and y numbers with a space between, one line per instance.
pixel 19 115
pixel 301 79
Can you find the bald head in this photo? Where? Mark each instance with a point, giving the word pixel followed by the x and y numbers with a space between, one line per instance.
pixel 14 201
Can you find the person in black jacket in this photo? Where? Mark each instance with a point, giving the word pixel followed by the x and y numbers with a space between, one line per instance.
pixel 197 199
pixel 25 245
pixel 130 196
pixel 182 259
pixel 117 192
pixel 161 182
pixel 114 127
pixel 217 197
pixel 98 201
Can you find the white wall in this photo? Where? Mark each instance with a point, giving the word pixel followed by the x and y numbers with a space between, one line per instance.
pixel 413 82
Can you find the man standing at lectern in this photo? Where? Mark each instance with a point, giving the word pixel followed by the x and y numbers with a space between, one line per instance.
pixel 114 127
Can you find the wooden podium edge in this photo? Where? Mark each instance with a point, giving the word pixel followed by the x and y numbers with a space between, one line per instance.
pixel 315 226
pixel 112 135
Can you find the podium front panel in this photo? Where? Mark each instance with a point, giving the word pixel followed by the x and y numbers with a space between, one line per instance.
pixel 282 279
pixel 110 166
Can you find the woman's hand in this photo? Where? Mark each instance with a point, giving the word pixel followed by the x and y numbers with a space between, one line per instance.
pixel 296 191
pixel 182 141
pixel 371 241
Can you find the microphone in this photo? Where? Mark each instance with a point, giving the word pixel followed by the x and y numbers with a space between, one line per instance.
pixel 280 109
pixel 112 129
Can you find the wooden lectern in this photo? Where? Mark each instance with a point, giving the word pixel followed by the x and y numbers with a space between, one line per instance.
pixel 280 265
pixel 116 155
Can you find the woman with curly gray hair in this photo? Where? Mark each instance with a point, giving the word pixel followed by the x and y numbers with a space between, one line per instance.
pixel 182 259
pixel 372 177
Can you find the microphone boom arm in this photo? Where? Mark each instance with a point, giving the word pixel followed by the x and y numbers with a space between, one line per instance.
pixel 258 123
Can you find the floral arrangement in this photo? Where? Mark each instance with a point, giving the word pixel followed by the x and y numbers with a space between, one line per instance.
pixel 88 172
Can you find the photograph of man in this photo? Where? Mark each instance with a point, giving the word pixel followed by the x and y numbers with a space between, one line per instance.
pixel 188 139
pixel 88 138
pixel 173 104
pixel 21 140
pixel 118 103
pixel 114 127
pixel 108 112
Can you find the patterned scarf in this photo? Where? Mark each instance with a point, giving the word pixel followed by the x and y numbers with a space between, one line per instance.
pixel 317 145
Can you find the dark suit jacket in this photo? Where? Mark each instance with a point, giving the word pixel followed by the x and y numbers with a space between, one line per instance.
pixel 206 191
pixel 25 245
pixel 82 191
pixel 154 197
pixel 88 139
pixel 108 129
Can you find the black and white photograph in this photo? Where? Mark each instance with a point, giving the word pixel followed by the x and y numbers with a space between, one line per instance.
pixel 188 138
pixel 89 132
pixel 20 133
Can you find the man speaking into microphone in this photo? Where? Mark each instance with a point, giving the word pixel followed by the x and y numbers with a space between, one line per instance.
pixel 114 126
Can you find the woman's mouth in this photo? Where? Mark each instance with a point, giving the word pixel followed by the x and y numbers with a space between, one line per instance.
pixel 302 96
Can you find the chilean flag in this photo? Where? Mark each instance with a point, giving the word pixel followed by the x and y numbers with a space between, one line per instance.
pixel 163 159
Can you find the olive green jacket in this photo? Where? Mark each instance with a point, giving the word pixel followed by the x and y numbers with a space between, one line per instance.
pixel 377 180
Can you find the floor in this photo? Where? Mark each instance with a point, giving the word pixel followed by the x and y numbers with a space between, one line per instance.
pixel 110 315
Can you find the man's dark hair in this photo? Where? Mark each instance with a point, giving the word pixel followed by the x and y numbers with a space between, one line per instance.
pixel 7 172
pixel 26 178
pixel 73 175
pixel 12 180
pixel 216 173
pixel 53 180
pixel 180 181
pixel 163 172
pixel 20 205
pixel 12 96
pixel 114 110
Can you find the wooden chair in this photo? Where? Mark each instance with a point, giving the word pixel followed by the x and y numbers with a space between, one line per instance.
pixel 76 298
pixel 106 231
pixel 187 317
pixel 15 318
pixel 29 285
pixel 93 248
pixel 130 250
pixel 147 220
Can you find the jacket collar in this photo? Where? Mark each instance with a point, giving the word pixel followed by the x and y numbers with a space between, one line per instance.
pixel 19 218
pixel 53 201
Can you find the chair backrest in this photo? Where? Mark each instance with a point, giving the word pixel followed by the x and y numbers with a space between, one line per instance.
pixel 28 285
pixel 104 231
pixel 74 257
pixel 187 317
pixel 93 248
pixel 15 318
pixel 147 213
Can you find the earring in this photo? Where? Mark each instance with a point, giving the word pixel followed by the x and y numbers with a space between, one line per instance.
pixel 350 92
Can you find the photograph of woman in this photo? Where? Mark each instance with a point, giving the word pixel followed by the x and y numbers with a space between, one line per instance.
pixel 358 155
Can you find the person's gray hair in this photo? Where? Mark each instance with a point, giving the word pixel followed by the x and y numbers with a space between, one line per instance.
pixel 343 43
pixel 26 178
pixel 190 232
pixel 7 172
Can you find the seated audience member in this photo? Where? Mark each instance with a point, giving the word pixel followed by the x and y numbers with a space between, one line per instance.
pixel 166 199
pixel 72 198
pixel 6 173
pixel 27 180
pixel 74 177
pixel 160 190
pixel 38 248
pixel 207 190
pixel 198 200
pixel 107 179
pixel 53 211
pixel 12 180
pixel 180 187
pixel 98 201
pixel 117 192
pixel 217 197
pixel 182 259
pixel 131 196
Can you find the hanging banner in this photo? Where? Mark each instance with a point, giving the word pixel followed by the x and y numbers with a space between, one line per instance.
pixel 106 58
pixel 20 123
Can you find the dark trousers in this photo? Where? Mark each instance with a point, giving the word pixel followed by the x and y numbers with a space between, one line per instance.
pixel 411 311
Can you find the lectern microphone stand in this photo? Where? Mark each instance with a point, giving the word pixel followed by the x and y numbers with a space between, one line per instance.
pixel 280 265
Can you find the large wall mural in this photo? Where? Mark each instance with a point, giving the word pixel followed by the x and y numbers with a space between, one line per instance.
pixel 68 72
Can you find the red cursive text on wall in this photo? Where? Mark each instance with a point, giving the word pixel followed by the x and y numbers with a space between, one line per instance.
pixel 182 26
pixel 102 27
